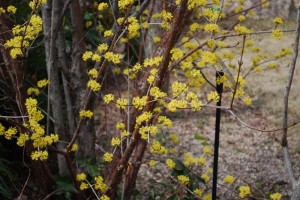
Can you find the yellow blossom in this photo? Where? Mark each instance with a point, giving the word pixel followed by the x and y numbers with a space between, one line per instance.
pixel 96 57
pixel 102 6
pixel 93 73
pixel 83 186
pixel 276 34
pixel 122 103
pixel 108 157
pixel 212 28
pixel 198 192
pixel 86 113
pixel 94 85
pixel 124 4
pixel 207 150
pixel 241 29
pixel 120 126
pixel 74 147
pixel 102 47
pixel 22 139
pixel 144 117
pixel 32 90
pixel 100 185
pixel 12 131
pixel 228 179
pixel 11 9
pixel 213 95
pixel 244 191
pixel 87 55
pixel 152 162
pixel 205 177
pixel 115 58
pixel 42 83
pixel 277 20
pixel 179 88
pixel 115 142
pixel 88 24
pixel 81 177
pixel 139 103
pixel 104 197
pixel 276 196
pixel 108 33
pixel 108 98
pixel 183 179
pixel 170 163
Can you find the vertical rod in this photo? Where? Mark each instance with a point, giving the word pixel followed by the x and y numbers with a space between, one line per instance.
pixel 219 88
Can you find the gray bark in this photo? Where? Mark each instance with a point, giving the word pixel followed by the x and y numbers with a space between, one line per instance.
pixel 79 81
pixel 50 31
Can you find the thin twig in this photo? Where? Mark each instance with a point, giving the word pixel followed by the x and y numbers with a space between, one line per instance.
pixel 287 159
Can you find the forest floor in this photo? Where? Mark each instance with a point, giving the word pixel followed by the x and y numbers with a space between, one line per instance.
pixel 253 157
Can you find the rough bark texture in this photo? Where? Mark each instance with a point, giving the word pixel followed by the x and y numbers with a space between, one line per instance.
pixel 53 73
pixel 79 81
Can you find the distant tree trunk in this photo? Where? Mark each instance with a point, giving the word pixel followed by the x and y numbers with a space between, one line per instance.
pixel 51 14
pixel 79 81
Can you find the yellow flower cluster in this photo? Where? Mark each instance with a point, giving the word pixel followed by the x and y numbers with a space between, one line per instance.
pixel 170 163
pixel 241 29
pixel 178 88
pixel 35 4
pixel 102 47
pixel 277 33
pixel 148 62
pixel 189 160
pixel 205 177
pixel 152 163
pixel 174 138
pixel 183 179
pixel 193 3
pixel 244 191
pixel 94 85
pixel 124 4
pixel 228 179
pixel 144 117
pixel 174 104
pixel 102 6
pixel 87 55
pixel 207 58
pixel 42 83
pixel 211 14
pixel 212 28
pixel 86 113
pixel 195 78
pixel 93 73
pixel 145 130
pixel 39 155
pixel 122 103
pixel 32 90
pixel 115 142
pixel 108 98
pixel 112 57
pixel 139 103
pixel 213 96
pixel 100 185
pixel 74 147
pixel 104 197
pixel 108 33
pixel 9 133
pixel 176 54
pixel 165 121
pixel 277 20
pixel 22 139
pixel 156 93
pixel 108 157
pixel 276 196
pixel 157 148
pixel 120 126
pixel 198 192
pixel 23 34
pixel 133 28
pixel 11 9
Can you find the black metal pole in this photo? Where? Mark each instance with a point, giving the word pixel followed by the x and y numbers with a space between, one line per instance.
pixel 219 88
